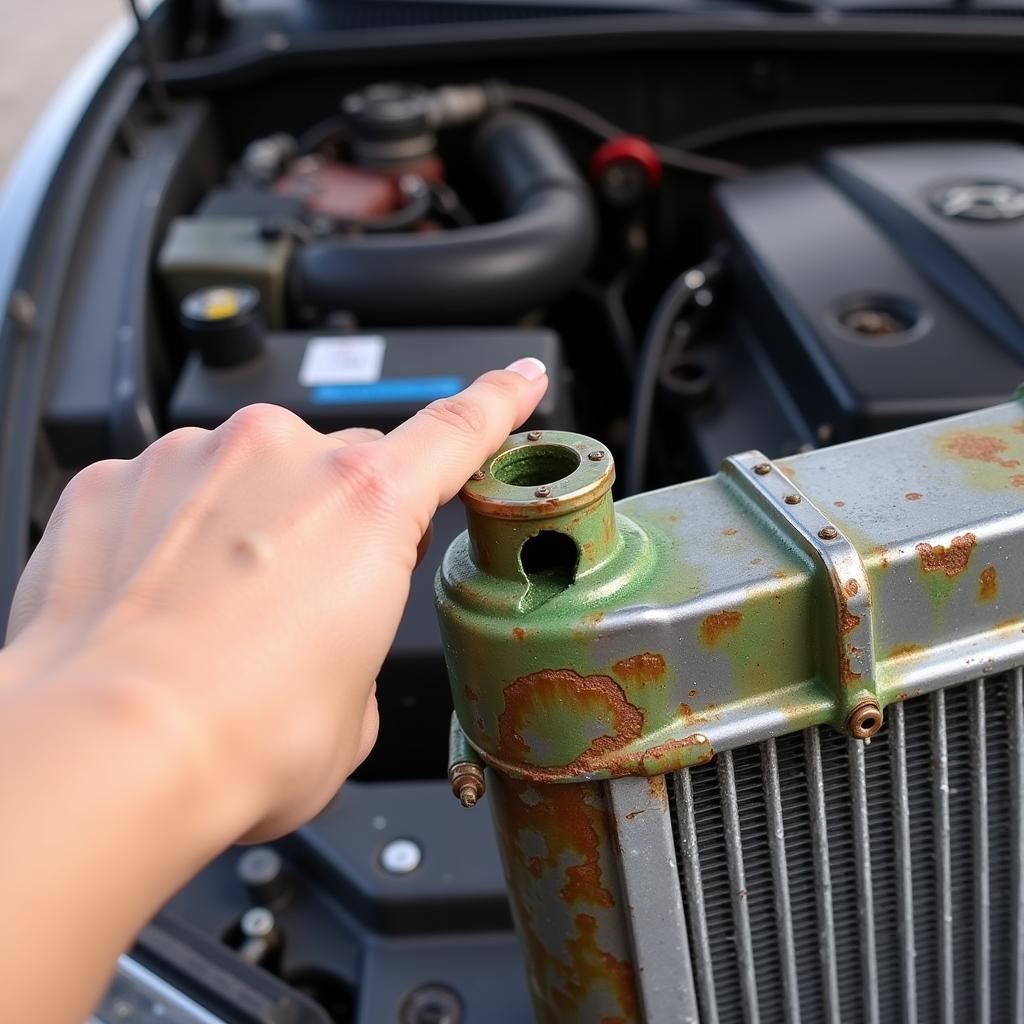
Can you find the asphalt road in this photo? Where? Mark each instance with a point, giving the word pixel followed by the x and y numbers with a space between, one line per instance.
pixel 40 42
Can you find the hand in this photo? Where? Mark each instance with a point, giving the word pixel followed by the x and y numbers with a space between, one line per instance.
pixel 235 591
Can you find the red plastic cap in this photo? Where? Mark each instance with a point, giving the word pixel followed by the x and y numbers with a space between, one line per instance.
pixel 626 147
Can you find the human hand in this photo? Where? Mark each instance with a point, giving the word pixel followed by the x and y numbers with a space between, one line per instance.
pixel 235 591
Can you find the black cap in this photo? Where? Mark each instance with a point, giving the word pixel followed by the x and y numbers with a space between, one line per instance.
pixel 390 122
pixel 223 323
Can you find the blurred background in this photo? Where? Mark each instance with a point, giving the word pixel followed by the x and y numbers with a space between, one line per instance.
pixel 40 42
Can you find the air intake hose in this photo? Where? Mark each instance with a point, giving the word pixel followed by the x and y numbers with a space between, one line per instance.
pixel 485 273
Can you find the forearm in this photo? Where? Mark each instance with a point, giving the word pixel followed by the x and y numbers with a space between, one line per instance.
pixel 103 814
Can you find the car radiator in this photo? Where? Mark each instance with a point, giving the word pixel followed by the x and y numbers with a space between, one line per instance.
pixel 754 745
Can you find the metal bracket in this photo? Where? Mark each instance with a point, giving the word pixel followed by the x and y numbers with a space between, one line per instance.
pixel 852 674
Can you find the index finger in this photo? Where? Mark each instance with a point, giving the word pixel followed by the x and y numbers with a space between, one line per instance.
pixel 437 450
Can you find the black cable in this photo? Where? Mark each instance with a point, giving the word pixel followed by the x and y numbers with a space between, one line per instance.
pixel 824 117
pixel 669 308
pixel 154 81
pixel 570 110
pixel 611 299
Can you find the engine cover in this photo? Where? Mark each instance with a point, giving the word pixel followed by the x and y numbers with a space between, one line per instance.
pixel 875 288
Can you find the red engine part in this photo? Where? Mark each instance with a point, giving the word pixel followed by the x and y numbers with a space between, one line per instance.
pixel 622 169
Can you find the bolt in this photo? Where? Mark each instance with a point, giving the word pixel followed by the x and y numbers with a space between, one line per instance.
pixel 542 492
pixel 261 870
pixel 865 720
pixel 828 533
pixel 478 475
pixel 431 1004
pixel 257 923
pixel 792 499
pixel 467 782
pixel 401 857
pixel 534 435
pixel 597 456
pixel 762 469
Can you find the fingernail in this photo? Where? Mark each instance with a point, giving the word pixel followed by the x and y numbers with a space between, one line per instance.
pixel 529 367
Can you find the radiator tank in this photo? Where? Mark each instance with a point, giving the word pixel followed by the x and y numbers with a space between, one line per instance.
pixel 716 729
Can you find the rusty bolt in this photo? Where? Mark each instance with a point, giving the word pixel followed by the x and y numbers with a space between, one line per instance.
pixel 792 499
pixel 828 533
pixel 478 475
pixel 596 456
pixel 864 720
pixel 534 435
pixel 542 492
pixel 467 782
pixel 762 469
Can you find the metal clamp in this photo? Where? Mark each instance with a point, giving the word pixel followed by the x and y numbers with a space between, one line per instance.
pixel 852 674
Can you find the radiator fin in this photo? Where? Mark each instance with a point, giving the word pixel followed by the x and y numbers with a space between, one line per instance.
pixel 827 879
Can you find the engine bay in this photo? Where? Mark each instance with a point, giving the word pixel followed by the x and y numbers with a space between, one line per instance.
pixel 720 242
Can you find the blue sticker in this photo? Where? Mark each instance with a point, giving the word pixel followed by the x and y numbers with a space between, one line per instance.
pixel 394 389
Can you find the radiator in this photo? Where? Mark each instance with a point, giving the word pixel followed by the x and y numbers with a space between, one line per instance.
pixel 753 743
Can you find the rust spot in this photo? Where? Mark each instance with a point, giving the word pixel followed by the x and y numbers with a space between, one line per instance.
pixel 692 693
pixel 663 750
pixel 839 504
pixel 641 669
pixel 905 650
pixel 635 814
pixel 657 791
pixel 470 693
pixel 1018 428
pixel 988 584
pixel 980 448
pixel 952 560
pixel 716 625
pixel 685 712
pixel 518 633
pixel 591 966
pixel 729 531
pixel 1017 480
pixel 595 617
pixel 913 496
pixel 529 699
pixel 851 587
pixel 788 471
pixel 756 561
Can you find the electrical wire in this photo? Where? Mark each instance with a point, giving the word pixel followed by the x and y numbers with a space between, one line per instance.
pixel 823 117
pixel 611 299
pixel 569 110
pixel 670 307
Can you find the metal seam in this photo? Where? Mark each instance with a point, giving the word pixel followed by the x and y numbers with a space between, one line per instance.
pixel 696 914
pixel 780 878
pixel 822 876
pixel 943 867
pixel 738 887
pixel 980 844
pixel 865 897
pixel 904 865
pixel 853 673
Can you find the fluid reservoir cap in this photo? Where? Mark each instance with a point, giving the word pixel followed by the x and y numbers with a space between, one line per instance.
pixel 223 323
pixel 390 122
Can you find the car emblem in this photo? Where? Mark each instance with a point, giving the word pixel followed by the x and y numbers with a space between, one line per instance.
pixel 979 200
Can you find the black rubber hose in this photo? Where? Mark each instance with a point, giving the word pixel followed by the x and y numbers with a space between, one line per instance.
pixel 645 385
pixel 482 274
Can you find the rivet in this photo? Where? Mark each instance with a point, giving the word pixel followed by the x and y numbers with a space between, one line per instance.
pixel 828 533
pixel 534 435
pixel 542 492
pixel 792 499
pixel 478 475
pixel 22 309
pixel 596 456
pixel 400 857
pixel 762 469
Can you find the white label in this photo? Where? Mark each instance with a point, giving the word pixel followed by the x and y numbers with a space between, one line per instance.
pixel 355 359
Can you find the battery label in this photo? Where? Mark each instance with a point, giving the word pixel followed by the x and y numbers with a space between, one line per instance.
pixel 396 390
pixel 353 359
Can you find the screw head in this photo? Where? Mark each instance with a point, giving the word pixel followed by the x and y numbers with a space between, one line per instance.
pixel 792 499
pixel 762 469
pixel 828 533
pixel 542 492
pixel 597 456
pixel 257 923
pixel 534 435
pixel 432 1004
pixel 401 857
pixel 478 475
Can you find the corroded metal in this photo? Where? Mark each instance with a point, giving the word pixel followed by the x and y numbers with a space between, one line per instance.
pixel 588 640
pixel 465 768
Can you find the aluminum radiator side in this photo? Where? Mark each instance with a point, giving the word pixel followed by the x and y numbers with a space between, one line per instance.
pixel 744 637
